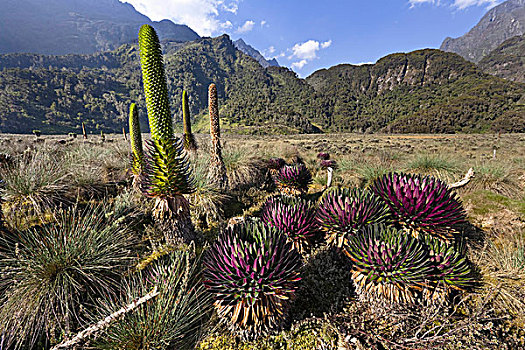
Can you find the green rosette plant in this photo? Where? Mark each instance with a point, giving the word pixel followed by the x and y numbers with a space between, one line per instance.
pixel 421 204
pixel 451 269
pixel 389 266
pixel 293 180
pixel 295 217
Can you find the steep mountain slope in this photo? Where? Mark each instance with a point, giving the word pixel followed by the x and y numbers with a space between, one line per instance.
pixel 250 51
pixel 60 27
pixel 422 91
pixel 499 24
pixel 57 93
pixel 507 60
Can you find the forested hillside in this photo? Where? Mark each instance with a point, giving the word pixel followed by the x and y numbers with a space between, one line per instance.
pixel 422 91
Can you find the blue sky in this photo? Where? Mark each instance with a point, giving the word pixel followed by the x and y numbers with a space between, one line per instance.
pixel 308 35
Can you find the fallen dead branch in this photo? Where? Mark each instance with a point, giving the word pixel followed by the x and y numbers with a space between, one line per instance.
pixel 464 181
pixel 100 325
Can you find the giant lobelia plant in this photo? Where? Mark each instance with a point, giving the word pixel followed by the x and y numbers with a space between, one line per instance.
pixel 421 204
pixel 252 271
pixel 190 144
pixel 167 173
pixel 137 155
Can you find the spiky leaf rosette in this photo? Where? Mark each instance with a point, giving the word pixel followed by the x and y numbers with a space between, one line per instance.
pixel 451 268
pixel 325 164
pixel 155 87
pixel 388 265
pixel 167 172
pixel 420 203
pixel 190 143
pixel 252 271
pixel 293 180
pixel 343 212
pixel 137 155
pixel 293 216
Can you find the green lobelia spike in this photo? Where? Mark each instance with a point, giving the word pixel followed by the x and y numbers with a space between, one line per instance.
pixel 155 87
pixel 137 155
pixel 189 140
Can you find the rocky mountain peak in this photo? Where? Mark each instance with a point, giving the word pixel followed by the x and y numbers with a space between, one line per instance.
pixel 499 24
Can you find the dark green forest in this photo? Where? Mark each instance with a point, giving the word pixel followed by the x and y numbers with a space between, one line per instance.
pixel 422 91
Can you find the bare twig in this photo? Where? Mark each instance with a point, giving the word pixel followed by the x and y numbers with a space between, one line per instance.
pixel 100 325
pixel 464 181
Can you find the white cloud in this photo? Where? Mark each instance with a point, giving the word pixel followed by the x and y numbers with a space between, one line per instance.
pixel 326 44
pixel 226 25
pixel 263 23
pixel 418 2
pixel 306 52
pixel 246 27
pixel 199 15
pixel 300 64
pixel 458 4
pixel 270 50
pixel 463 4
pixel 231 7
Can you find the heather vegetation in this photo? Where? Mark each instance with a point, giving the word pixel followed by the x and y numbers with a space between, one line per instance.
pixel 210 241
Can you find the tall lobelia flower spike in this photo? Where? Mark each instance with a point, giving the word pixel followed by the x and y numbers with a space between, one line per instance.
pixel 137 155
pixel 190 144
pixel 217 174
pixel 167 173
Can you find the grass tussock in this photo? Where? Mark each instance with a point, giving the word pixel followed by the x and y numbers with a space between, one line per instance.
pixel 50 274
pixel 173 320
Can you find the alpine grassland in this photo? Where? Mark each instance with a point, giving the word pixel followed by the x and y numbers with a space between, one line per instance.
pixel 186 236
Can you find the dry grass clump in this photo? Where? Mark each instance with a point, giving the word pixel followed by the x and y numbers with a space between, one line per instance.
pixel 502 265
pixel 495 176
pixel 173 320
pixel 244 169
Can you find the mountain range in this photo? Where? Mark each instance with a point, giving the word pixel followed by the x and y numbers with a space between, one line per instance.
pixel 421 91
pixel 59 27
pixel 500 23
pixel 252 52
pixel 507 60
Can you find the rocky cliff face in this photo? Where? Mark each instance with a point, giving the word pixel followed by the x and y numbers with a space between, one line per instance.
pixel 507 60
pixel 255 54
pixel 499 24
pixel 58 27
pixel 418 68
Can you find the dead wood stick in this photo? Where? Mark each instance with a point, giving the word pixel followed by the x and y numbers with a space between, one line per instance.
pixel 100 325
pixel 464 181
